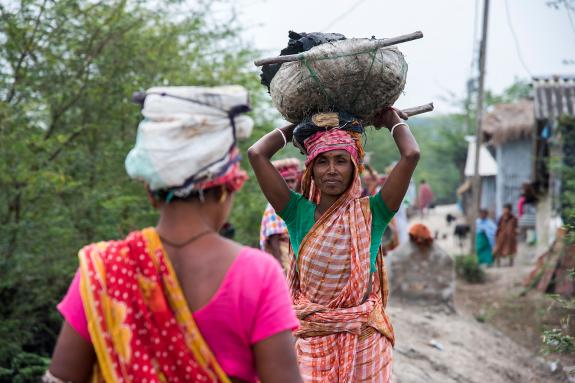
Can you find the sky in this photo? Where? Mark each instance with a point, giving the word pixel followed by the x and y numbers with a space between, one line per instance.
pixel 440 63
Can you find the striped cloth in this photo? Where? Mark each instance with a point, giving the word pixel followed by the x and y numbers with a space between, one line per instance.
pixel 343 337
pixel 271 224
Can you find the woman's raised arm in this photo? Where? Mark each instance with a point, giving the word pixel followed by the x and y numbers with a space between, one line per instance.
pixel 271 182
pixel 398 180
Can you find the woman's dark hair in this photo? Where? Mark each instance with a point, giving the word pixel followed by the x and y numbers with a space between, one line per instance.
pixel 508 206
pixel 529 193
pixel 168 196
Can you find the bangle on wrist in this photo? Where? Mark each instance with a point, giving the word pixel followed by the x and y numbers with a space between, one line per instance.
pixel 283 136
pixel 392 130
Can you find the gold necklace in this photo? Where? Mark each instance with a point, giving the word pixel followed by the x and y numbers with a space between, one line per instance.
pixel 188 241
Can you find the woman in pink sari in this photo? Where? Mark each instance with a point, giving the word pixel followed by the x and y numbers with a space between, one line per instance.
pixel 178 302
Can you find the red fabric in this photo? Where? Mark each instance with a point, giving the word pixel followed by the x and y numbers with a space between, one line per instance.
pixel 333 139
pixel 234 177
pixel 289 173
pixel 134 329
pixel 251 304
pixel 288 167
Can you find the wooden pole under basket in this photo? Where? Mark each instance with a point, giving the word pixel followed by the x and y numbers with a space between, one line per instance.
pixel 381 43
pixel 414 111
pixel 418 109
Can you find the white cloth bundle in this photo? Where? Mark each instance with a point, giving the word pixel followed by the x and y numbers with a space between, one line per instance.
pixel 186 132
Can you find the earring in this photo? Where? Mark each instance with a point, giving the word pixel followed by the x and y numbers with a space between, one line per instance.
pixel 224 195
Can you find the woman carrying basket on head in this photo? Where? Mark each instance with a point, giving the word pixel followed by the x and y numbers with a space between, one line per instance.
pixel 178 302
pixel 337 281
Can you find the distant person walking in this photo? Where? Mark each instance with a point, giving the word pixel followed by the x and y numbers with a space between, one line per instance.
pixel 527 210
pixel 506 236
pixel 425 197
pixel 274 237
pixel 485 238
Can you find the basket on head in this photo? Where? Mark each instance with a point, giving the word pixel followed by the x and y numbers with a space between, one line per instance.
pixel 347 75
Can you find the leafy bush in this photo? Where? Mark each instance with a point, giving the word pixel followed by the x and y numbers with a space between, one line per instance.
pixel 558 340
pixel 467 267
pixel 25 367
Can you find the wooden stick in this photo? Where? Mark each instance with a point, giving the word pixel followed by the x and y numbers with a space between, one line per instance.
pixel 376 45
pixel 418 109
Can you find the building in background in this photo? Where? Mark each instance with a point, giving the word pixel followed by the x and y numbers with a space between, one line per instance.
pixel 554 98
pixel 509 129
pixel 487 172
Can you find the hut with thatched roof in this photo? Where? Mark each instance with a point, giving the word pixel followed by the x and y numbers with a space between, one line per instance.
pixel 509 128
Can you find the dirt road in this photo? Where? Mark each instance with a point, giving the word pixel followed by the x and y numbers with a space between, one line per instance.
pixel 437 344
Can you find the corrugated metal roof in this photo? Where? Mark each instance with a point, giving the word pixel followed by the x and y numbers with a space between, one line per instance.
pixel 554 96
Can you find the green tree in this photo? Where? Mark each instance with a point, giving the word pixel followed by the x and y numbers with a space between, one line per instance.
pixel 67 72
pixel 561 339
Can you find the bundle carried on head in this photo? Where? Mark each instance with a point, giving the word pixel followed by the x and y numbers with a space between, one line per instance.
pixel 356 76
pixel 187 140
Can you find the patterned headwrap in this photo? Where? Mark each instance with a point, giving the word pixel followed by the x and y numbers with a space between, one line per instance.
pixel 187 140
pixel 333 137
pixel 333 131
pixel 289 168
pixel 233 178
pixel 420 234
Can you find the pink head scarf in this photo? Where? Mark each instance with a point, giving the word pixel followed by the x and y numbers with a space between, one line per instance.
pixel 333 139
pixel 233 178
pixel 288 167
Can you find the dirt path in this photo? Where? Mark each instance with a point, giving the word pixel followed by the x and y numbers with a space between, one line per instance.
pixel 434 345
pixel 492 336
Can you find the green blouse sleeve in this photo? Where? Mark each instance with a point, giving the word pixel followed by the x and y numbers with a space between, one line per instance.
pixel 289 212
pixel 381 214
pixel 380 217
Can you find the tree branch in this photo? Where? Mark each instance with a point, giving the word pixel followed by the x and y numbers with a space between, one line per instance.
pixel 25 53
pixel 90 58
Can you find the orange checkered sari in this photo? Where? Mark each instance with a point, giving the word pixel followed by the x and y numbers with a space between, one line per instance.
pixel 344 336
pixel 138 318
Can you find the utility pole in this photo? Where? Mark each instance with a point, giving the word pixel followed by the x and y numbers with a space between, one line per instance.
pixel 479 121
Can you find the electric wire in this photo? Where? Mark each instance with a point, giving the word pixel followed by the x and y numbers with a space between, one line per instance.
pixel 568 10
pixel 342 15
pixel 517 47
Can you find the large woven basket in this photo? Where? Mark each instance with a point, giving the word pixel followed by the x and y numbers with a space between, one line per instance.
pixel 346 75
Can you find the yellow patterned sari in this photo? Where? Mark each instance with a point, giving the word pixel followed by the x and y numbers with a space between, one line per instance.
pixel 138 318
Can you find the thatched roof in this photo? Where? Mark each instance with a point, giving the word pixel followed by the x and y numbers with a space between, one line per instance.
pixel 509 122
